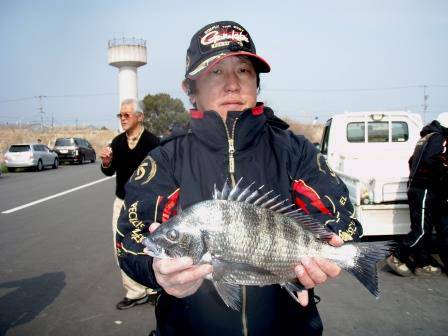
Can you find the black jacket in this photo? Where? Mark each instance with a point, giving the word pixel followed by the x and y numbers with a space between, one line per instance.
pixel 126 160
pixel 428 164
pixel 183 170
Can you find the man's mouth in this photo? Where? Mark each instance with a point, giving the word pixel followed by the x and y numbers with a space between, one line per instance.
pixel 233 105
pixel 233 102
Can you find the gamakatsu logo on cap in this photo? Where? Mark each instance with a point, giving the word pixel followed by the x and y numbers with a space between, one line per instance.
pixel 217 38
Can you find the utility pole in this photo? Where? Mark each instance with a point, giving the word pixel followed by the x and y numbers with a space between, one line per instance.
pixel 425 103
pixel 41 111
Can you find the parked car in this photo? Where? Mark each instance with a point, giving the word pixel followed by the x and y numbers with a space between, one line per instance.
pixel 36 156
pixel 74 150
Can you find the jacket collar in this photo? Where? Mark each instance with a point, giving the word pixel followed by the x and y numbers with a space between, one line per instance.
pixel 212 131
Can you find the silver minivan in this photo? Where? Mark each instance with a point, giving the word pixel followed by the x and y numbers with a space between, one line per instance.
pixel 35 156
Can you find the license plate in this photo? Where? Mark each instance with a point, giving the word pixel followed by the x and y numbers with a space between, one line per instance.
pixel 64 151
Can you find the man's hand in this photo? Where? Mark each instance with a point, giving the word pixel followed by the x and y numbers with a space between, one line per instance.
pixel 106 156
pixel 315 271
pixel 179 277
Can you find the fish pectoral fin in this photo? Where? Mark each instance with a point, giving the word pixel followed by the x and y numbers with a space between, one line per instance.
pixel 221 266
pixel 292 288
pixel 229 293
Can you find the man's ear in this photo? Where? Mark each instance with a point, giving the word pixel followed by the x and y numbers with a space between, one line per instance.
pixel 186 89
pixel 140 117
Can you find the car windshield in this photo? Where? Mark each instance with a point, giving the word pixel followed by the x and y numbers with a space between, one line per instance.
pixel 64 142
pixel 19 148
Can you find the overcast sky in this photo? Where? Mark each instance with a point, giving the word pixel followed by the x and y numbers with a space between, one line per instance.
pixel 326 56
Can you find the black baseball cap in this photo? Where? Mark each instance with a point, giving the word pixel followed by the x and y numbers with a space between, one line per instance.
pixel 216 41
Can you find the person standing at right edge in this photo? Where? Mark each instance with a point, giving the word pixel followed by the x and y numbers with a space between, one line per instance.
pixel 428 203
pixel 122 158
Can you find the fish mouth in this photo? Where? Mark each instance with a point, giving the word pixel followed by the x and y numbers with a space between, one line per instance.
pixel 153 249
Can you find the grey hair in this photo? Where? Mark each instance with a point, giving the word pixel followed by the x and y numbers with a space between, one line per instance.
pixel 136 104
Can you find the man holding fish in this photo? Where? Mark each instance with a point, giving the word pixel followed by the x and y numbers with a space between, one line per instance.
pixel 224 192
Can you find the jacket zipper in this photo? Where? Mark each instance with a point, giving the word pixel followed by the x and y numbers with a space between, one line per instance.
pixel 244 312
pixel 231 141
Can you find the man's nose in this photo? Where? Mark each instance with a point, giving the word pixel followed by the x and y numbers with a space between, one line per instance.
pixel 232 82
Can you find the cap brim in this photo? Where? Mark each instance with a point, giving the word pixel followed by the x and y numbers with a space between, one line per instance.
pixel 204 67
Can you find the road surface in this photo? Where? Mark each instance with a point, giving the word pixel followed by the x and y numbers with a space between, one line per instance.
pixel 58 275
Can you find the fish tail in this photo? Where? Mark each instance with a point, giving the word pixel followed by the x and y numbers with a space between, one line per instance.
pixel 364 267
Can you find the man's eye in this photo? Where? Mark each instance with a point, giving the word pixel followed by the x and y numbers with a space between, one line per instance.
pixel 216 71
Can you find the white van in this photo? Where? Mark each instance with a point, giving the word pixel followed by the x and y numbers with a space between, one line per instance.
pixel 370 152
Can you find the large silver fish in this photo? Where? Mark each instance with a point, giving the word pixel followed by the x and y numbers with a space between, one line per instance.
pixel 256 241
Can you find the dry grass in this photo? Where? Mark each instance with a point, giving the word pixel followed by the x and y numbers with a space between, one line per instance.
pixel 12 135
pixel 312 132
pixel 101 137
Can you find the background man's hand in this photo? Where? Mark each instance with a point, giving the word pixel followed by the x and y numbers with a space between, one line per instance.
pixel 179 277
pixel 315 271
pixel 106 156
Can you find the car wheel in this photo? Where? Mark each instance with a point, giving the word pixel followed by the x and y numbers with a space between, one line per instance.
pixel 93 158
pixel 81 161
pixel 10 169
pixel 39 166
pixel 55 164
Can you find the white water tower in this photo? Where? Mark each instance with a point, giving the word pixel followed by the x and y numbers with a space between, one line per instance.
pixel 127 54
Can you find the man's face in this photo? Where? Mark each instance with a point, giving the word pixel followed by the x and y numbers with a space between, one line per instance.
pixel 129 120
pixel 231 85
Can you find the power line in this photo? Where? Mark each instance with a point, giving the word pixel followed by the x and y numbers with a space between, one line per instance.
pixel 61 96
pixel 16 99
pixel 263 89
pixel 353 89
pixel 84 95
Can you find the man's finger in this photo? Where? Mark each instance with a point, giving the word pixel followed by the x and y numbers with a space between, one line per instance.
pixel 330 268
pixel 153 227
pixel 303 277
pixel 336 241
pixel 313 270
pixel 303 298
pixel 190 276
pixel 168 266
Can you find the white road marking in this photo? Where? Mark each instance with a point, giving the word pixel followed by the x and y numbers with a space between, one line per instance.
pixel 56 195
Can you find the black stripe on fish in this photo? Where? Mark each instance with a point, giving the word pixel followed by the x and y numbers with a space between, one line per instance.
pixel 221 267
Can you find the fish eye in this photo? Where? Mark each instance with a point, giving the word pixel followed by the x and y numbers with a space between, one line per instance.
pixel 172 235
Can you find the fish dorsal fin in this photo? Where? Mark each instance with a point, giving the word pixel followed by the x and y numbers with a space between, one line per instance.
pixel 216 193
pixel 269 202
pixel 319 230
pixel 254 195
pixel 225 190
pixel 262 198
pixel 235 192
pixel 245 193
pixel 276 206
pixel 265 200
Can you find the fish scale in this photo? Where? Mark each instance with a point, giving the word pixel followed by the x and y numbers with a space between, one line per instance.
pixel 249 244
